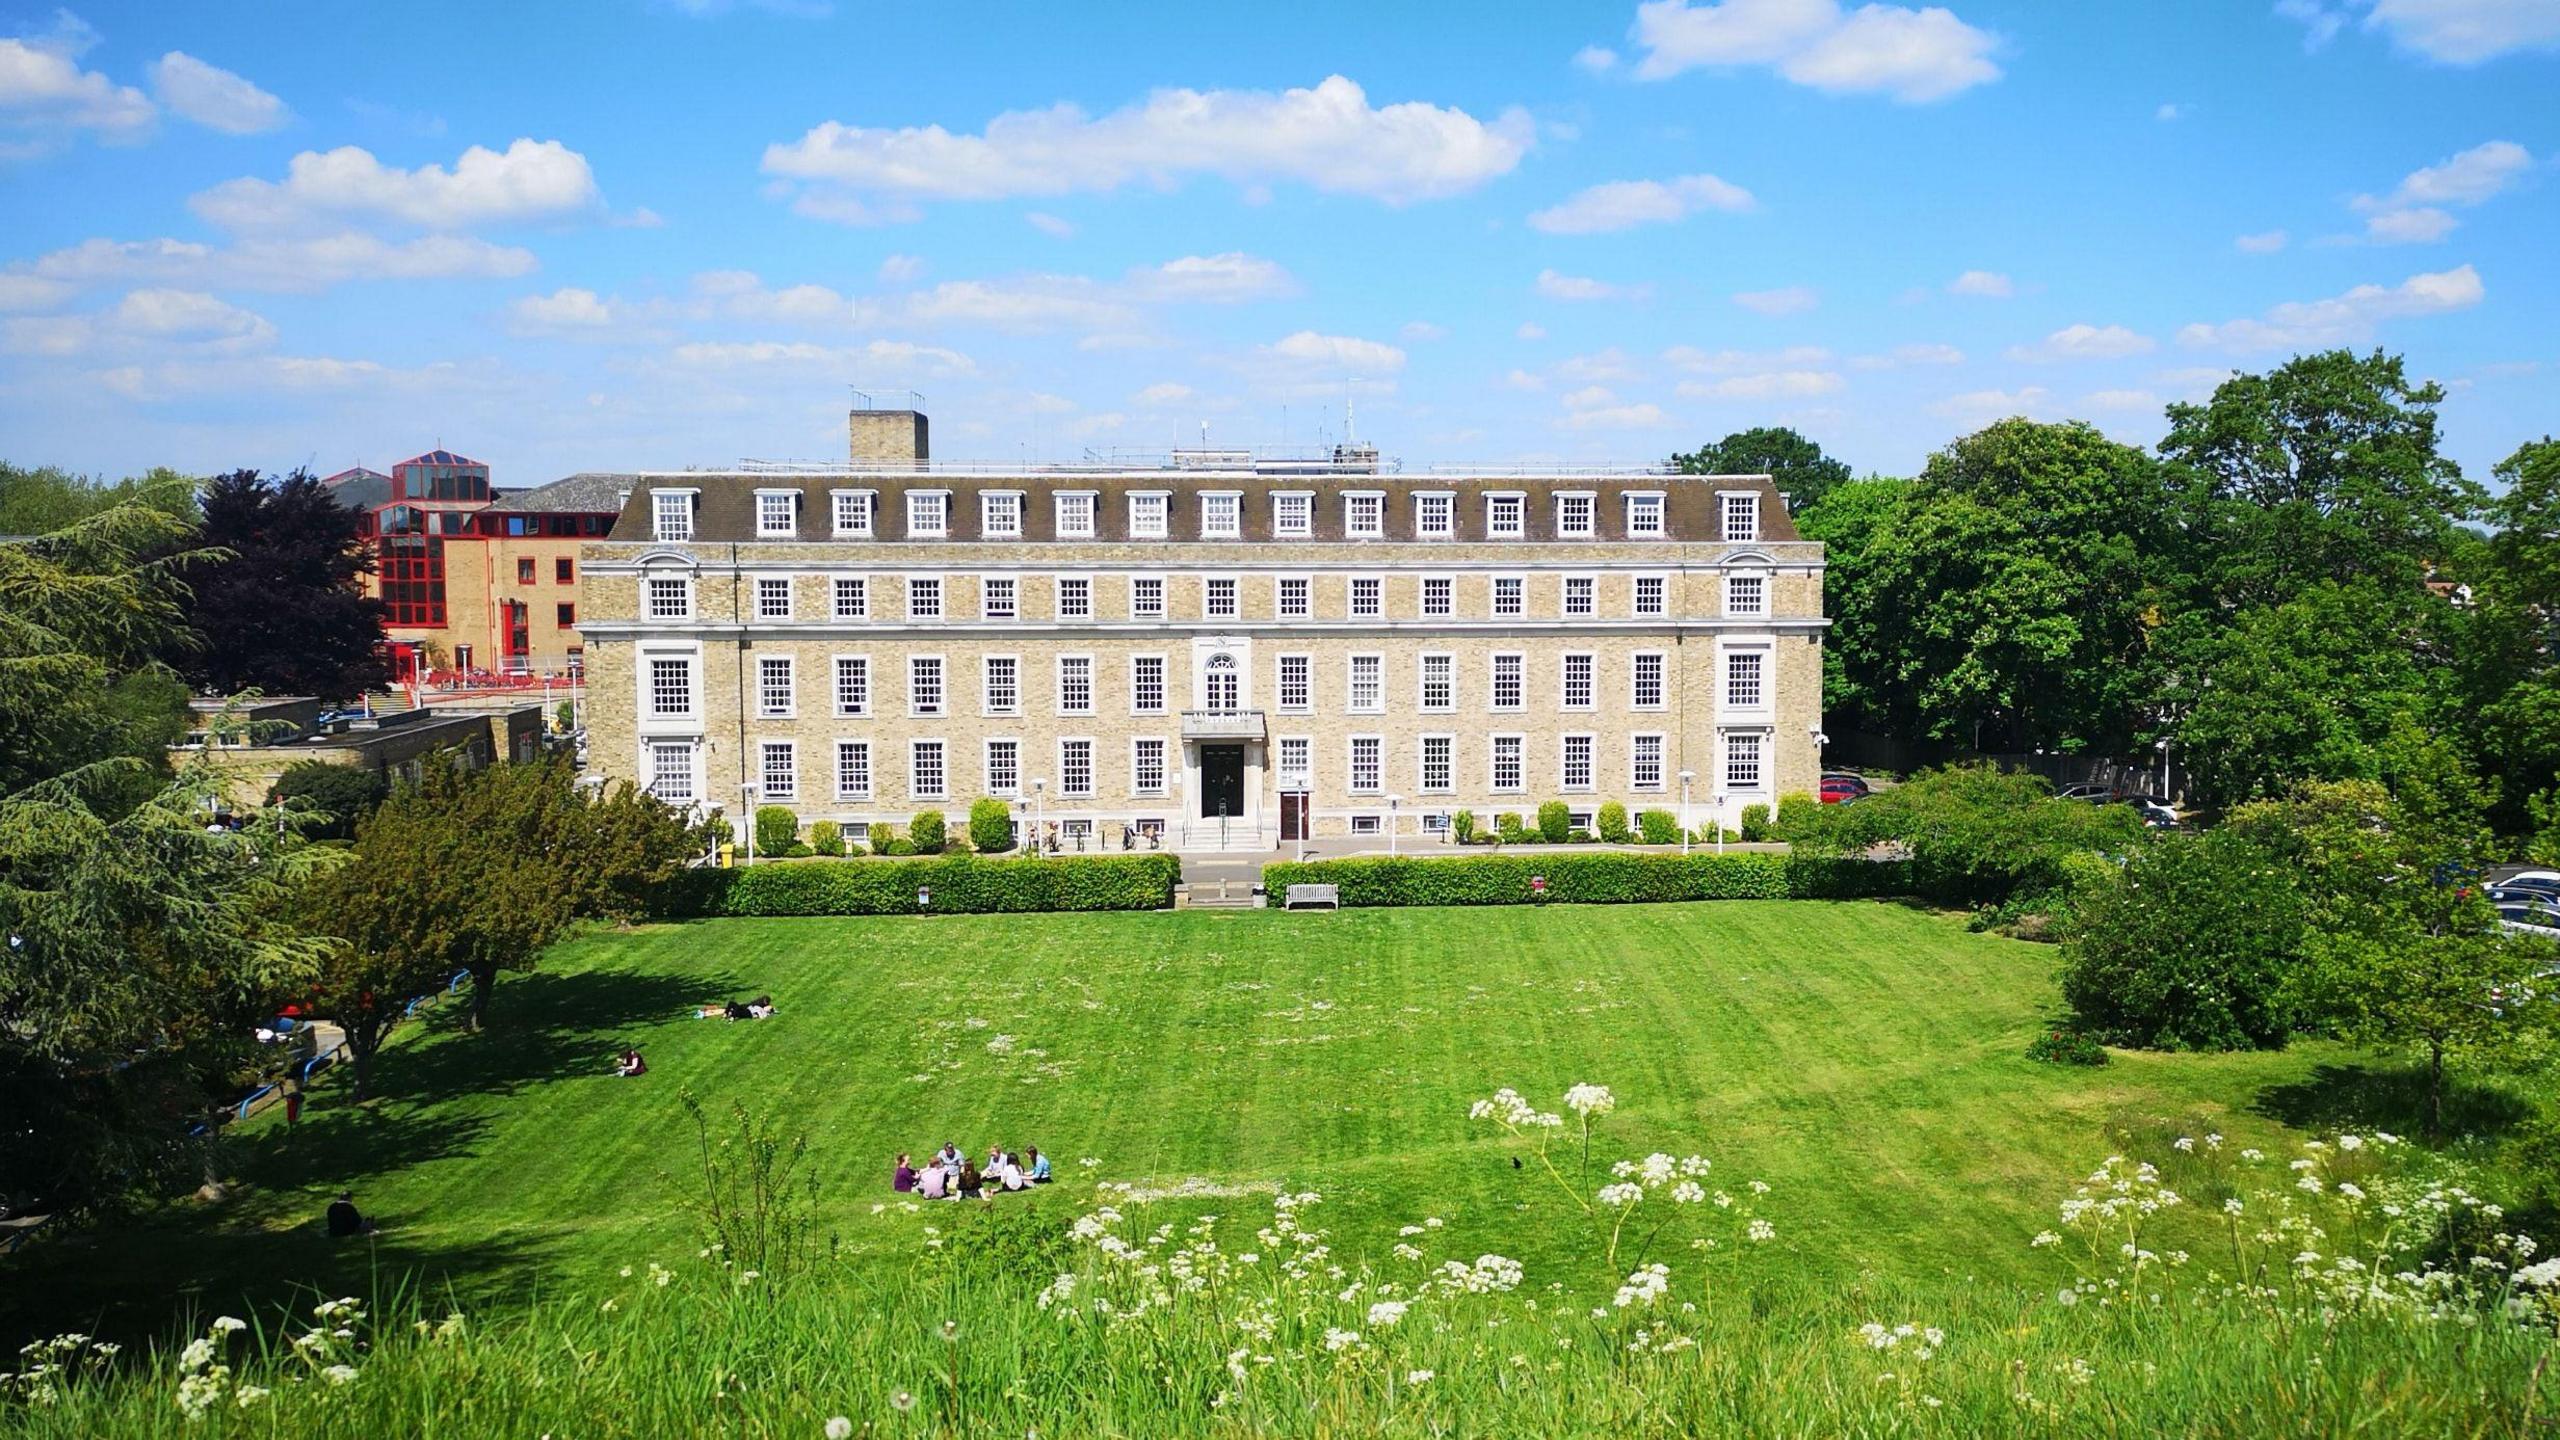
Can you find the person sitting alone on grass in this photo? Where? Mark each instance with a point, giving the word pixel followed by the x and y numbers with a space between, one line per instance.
pixel 1039 1165
pixel 631 1065
pixel 903 1178
pixel 345 1221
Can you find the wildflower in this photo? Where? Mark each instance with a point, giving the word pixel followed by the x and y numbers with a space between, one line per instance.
pixel 902 1401
pixel 2186 1144
pixel 1417 1377
pixel 229 1325
pixel 1338 1340
pixel 2045 1237
pixel 1688 1192
pixel 1761 1230
pixel 1644 1286
pixel 839 1428
pixel 2066 1297
pixel 951 1331
pixel 197 1355
pixel 339 1374
pixel 248 1395
pixel 1624 1193
pixel 2231 1206
pixel 1386 1313
pixel 1589 1101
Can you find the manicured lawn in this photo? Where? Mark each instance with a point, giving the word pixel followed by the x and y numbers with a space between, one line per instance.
pixel 1865 1059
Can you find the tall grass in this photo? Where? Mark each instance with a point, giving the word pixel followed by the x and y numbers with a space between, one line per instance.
pixel 2341 1290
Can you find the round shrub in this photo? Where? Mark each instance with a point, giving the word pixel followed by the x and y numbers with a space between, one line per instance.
pixel 1796 813
pixel 1755 822
pixel 1508 829
pixel 2066 1046
pixel 2192 949
pixel 826 838
pixel 926 832
pixel 776 828
pixel 1613 824
pixel 990 825
pixel 1660 827
pixel 1555 822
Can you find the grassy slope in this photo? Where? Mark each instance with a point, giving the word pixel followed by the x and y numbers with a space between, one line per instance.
pixel 1865 1059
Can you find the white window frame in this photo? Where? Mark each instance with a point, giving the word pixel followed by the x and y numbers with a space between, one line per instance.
pixel 1589 590
pixel 1758 744
pixel 1729 697
pixel 1449 607
pixel 688 756
pixel 1351 597
pixel 1518 744
pixel 1377 764
pixel 1369 823
pixel 1304 772
pixel 987 703
pixel 1742 506
pixel 1760 582
pixel 836 685
pixel 929 504
pixel 1448 783
pixel 854 513
pixel 1059 518
pixel 1640 503
pixel 942 686
pixel 1285 526
pixel 847 750
pixel 1162 525
pixel 768 586
pixel 861 593
pixel 1377 683
pixel 1164 590
pixel 1494 503
pixel 1306 606
pixel 1138 748
pixel 915 785
pixel 1164 684
pixel 1092 768
pixel 660 513
pixel 986 597
pixel 1661 680
pixel 1519 681
pixel 1058 595
pixel 789 788
pixel 683 593
pixel 1588 501
pixel 1091 680
pixel 1208 602
pixel 789 528
pixel 1519 593
pixel 987 765
pixel 941 597
pixel 990 525
pixel 1364 514
pixel 1229 510
pixel 1636 744
pixel 767 706
pixel 1422 682
pixel 1306 668
pixel 1445 503
pixel 1635 596
pixel 1590 680
pixel 651 707
pixel 1590 762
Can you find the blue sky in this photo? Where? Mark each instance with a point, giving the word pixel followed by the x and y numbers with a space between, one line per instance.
pixel 654 234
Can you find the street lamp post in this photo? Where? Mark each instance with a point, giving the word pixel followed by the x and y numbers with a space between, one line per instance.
pixel 1719 824
pixel 2162 744
pixel 1394 803
pixel 1039 815
pixel 1685 826
pixel 747 817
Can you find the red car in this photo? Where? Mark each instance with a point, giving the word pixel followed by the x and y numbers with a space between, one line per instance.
pixel 1838 789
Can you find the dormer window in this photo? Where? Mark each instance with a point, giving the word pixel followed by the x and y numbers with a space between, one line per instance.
pixel 1147 511
pixel 1644 515
pixel 1000 514
pixel 671 514
pixel 1221 515
pixel 1364 515
pixel 1075 514
pixel 1506 515
pixel 1741 512
pixel 1293 515
pixel 1435 516
pixel 928 514
pixel 777 514
pixel 853 509
pixel 1574 515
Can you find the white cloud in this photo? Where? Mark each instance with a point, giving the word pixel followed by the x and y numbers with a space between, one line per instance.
pixel 1982 406
pixel 1914 56
pixel 155 320
pixel 1228 277
pixel 1530 330
pixel 2320 20
pixel 1162 393
pixel 1616 417
pixel 290 375
pixel 1328 137
pixel 530 180
pixel 2168 112
pixel 1556 285
pixel 21 292
pixel 1421 332
pixel 1599 367
pixel 2412 213
pixel 2265 242
pixel 2085 342
pixel 1905 356
pixel 1345 354
pixel 45 95
pixel 1092 425
pixel 895 359
pixel 1590 397
pixel 300 265
pixel 2121 400
pixel 1523 380
pixel 1597 59
pixel 1773 385
pixel 1048 224
pixel 214 97
pixel 2342 319
pixel 2466 32
pixel 1982 285
pixel 899 269
pixel 1625 204
pixel 1042 403
pixel 1734 362
pixel 575 313
pixel 1788 300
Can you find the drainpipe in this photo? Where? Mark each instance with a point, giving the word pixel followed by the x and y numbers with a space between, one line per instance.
pixel 737 619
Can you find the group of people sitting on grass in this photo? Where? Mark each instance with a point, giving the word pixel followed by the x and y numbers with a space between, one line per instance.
pixel 950 1175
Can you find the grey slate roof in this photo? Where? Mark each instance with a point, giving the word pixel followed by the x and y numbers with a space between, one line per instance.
pixel 595 492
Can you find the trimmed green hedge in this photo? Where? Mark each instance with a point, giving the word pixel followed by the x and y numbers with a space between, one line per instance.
pixel 1610 878
pixel 961 885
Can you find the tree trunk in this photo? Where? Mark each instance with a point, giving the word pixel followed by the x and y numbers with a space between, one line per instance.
pixel 360 1042
pixel 2435 1090
pixel 484 978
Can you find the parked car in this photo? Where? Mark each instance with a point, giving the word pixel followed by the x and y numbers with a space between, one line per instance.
pixel 2156 812
pixel 2089 792
pixel 2525 894
pixel 1838 789
pixel 2529 918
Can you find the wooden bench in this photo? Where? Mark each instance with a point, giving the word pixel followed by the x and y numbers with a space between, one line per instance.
pixel 1311 897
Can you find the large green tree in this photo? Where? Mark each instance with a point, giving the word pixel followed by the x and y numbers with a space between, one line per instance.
pixel 1801 471
pixel 2007 601
pixel 286 612
pixel 1847 520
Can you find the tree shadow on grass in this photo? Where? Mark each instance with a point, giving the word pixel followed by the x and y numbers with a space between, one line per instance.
pixel 2353 1097
pixel 543 1027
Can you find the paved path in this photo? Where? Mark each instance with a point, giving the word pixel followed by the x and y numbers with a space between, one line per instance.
pixel 1242 870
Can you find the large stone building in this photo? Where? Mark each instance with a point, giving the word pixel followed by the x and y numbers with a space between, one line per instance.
pixel 1231 652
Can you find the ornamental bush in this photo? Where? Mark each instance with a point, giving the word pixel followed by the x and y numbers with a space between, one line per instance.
pixel 776 828
pixel 1555 822
pixel 345 793
pixel 926 832
pixel 1614 828
pixel 1755 822
pixel 1462 827
pixel 990 825
pixel 960 885
pixel 2066 1046
pixel 1796 813
pixel 1508 829
pixel 2197 947
pixel 826 838
pixel 1600 878
pixel 1659 827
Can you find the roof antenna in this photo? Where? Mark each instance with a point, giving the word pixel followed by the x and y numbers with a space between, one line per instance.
pixel 1204 434
pixel 1350 414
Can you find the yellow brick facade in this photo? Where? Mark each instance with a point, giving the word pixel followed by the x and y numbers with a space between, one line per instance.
pixel 1669 681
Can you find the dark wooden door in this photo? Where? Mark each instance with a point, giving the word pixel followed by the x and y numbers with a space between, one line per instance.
pixel 1221 781
pixel 1293 816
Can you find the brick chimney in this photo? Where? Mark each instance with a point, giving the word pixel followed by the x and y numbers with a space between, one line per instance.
pixel 889 436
